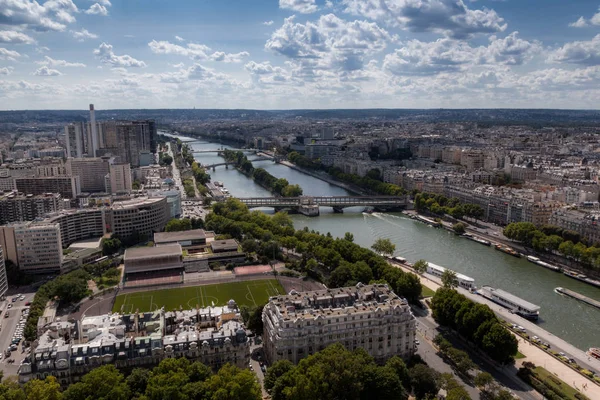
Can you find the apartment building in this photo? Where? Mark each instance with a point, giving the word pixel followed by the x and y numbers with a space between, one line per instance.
pixel 34 246
pixel 68 186
pixel 66 350
pixel 17 207
pixel 128 139
pixel 472 159
pixel 75 139
pixel 586 224
pixel 371 317
pixel 91 172
pixel 120 178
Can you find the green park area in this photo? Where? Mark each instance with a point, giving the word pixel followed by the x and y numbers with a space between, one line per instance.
pixel 249 293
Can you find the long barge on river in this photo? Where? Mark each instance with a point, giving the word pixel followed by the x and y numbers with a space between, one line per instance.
pixel 582 278
pixel 539 262
pixel 578 296
pixel 507 250
pixel 476 239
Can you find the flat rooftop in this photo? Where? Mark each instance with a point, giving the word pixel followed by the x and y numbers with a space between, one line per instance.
pixel 166 237
pixel 152 252
pixel 512 298
pixel 92 243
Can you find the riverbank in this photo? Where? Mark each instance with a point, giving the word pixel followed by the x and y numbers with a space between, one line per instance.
pixel 531 352
pixel 325 178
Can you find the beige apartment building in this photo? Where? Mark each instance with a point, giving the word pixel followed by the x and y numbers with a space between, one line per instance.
pixel 120 178
pixel 68 186
pixel 34 246
pixel 91 172
pixel 371 317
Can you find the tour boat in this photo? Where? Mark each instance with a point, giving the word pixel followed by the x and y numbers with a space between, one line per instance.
pixel 517 305
pixel 477 239
pixel 464 281
pixel 582 278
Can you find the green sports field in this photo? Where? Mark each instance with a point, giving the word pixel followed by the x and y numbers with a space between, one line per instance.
pixel 248 293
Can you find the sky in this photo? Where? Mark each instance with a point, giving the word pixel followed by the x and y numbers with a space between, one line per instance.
pixel 291 54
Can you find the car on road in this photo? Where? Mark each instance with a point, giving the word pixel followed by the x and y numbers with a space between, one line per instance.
pixel 417 342
pixel 28 303
pixel 9 305
pixel 21 298
pixel 7 314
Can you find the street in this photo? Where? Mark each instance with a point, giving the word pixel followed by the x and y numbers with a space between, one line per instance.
pixel 427 329
pixel 8 328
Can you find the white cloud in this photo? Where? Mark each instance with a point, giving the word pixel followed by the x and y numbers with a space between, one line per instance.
pixel 105 3
pixel 49 61
pixel 15 37
pixel 97 9
pixel 180 65
pixel 83 34
pixel 105 53
pixel 268 23
pixel 179 39
pixel 417 58
pixel 9 55
pixel 580 23
pixel 301 6
pixel 329 42
pixel 512 50
pixel 196 72
pixel 45 71
pixel 6 70
pixel 581 52
pixel 49 16
pixel 198 52
pixel 42 49
pixel 450 17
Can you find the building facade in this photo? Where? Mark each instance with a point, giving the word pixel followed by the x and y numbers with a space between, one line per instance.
pixel 120 178
pixel 213 335
pixel 68 186
pixel 34 246
pixel 3 279
pixel 16 207
pixel 371 317
pixel 91 172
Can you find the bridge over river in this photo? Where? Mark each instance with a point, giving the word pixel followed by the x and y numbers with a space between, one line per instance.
pixel 309 205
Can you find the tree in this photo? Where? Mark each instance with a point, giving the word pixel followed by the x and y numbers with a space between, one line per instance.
pixel 459 228
pixel 292 191
pixel 48 389
pixel 232 383
pixel 349 237
pixel 176 225
pixel 138 380
pixel 110 246
pixel 250 246
pixel 398 365
pixel 105 382
pixel 424 381
pixel 500 344
pixel 167 159
pixel 483 381
pixel 449 279
pixel 420 266
pixel 277 370
pixel 384 246
pixel 255 323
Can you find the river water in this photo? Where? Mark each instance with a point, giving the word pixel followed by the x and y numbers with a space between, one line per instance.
pixel 577 323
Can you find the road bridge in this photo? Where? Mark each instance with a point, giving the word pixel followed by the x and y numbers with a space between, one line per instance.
pixel 221 150
pixel 309 205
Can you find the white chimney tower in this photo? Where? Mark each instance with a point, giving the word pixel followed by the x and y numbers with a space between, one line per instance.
pixel 94 131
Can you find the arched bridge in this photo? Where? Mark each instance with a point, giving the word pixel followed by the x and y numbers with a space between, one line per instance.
pixel 309 204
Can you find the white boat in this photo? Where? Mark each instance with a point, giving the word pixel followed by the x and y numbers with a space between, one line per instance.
pixel 464 281
pixel 401 260
pixel 539 262
pixel 517 305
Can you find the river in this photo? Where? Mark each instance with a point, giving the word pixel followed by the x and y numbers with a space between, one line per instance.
pixel 577 323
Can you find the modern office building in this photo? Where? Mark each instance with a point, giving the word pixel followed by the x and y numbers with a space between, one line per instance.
pixel 34 246
pixel 80 224
pixel 68 186
pixel 17 207
pixel 66 350
pixel 91 172
pixel 3 279
pixel 119 178
pixel 371 317
pixel 143 216
pixel 173 200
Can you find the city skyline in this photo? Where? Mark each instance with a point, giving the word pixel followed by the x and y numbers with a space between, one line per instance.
pixel 61 54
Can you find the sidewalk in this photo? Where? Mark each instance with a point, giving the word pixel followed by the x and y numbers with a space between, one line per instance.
pixel 531 352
